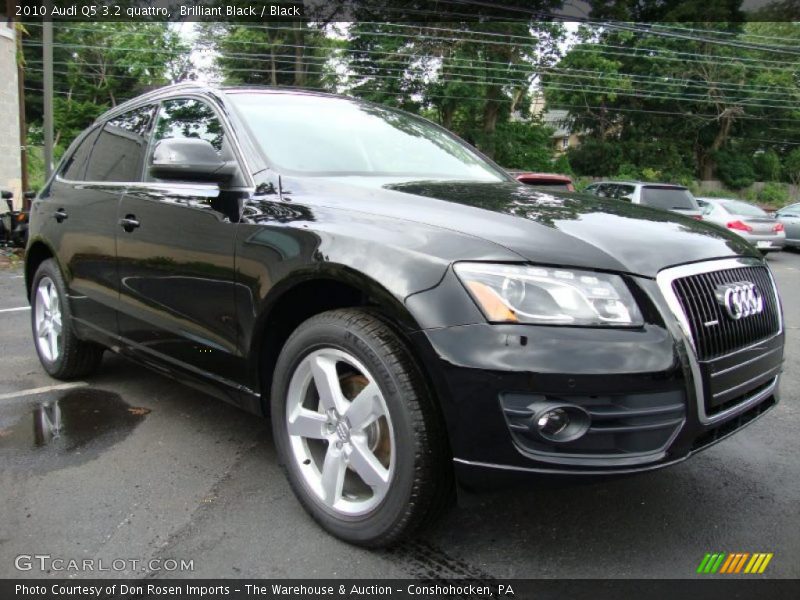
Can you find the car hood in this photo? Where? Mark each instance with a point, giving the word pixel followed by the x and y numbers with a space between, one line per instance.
pixel 567 229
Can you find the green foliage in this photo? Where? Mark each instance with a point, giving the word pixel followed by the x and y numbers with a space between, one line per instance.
pixel 561 165
pixel 734 169
pixel 595 157
pixel 767 166
pixel 774 194
pixel 524 146
pixel 628 171
pixel 791 166
pixel 674 102
pixel 98 65
pixel 278 54
pixel 35 167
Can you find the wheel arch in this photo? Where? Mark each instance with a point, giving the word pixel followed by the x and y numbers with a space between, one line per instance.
pixel 38 252
pixel 293 301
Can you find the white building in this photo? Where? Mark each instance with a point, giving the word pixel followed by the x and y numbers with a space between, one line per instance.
pixel 10 165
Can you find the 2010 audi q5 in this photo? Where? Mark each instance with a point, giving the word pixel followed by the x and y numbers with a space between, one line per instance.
pixel 407 314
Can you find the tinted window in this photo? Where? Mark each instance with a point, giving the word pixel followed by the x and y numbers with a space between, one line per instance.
pixel 75 165
pixel 606 190
pixel 303 133
pixel 624 192
pixel 189 118
pixel 742 208
pixel 668 198
pixel 118 153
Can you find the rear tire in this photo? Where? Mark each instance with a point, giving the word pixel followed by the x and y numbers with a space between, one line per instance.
pixel 61 353
pixel 356 429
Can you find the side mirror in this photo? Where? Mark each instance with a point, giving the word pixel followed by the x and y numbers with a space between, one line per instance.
pixel 189 159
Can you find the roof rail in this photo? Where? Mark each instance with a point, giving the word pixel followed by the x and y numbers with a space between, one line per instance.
pixel 153 94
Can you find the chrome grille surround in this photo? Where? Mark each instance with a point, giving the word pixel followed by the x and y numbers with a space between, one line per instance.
pixel 664 280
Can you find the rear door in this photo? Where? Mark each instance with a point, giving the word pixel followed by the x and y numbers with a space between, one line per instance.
pixel 175 248
pixel 79 212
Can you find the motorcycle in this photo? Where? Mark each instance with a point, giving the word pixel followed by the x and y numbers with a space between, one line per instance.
pixel 14 223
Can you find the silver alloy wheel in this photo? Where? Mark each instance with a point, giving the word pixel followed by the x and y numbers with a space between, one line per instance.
pixel 340 432
pixel 47 318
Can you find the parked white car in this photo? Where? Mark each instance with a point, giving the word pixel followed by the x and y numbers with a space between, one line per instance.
pixel 789 217
pixel 748 220
pixel 666 196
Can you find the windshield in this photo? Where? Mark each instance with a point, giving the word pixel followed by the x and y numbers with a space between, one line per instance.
pixel 742 208
pixel 669 198
pixel 317 135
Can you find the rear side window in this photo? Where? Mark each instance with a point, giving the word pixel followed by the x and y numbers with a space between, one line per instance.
pixel 668 198
pixel 74 167
pixel 119 151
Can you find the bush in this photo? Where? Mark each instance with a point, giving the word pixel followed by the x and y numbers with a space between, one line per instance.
pixel 767 166
pixel 792 166
pixel 561 165
pixel 774 194
pixel 595 158
pixel 735 170
pixel 628 171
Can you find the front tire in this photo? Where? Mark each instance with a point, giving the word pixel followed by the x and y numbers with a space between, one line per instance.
pixel 356 430
pixel 61 353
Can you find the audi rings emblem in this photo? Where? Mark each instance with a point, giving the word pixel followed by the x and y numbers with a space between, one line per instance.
pixel 740 299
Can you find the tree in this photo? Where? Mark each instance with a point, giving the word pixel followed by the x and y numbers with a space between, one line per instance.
pixel 767 166
pixel 792 166
pixel 693 88
pixel 98 65
pixel 277 53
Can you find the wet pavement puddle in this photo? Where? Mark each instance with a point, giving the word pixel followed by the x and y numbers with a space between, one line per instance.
pixel 53 431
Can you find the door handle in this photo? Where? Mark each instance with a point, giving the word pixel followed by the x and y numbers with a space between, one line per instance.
pixel 129 223
pixel 60 215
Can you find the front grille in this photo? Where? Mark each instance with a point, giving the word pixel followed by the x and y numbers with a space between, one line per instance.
pixel 715 334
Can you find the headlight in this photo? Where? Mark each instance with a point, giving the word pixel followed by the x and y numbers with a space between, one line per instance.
pixel 549 296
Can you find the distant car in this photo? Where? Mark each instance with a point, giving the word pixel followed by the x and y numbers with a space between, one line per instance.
pixel 666 196
pixel 550 181
pixel 789 217
pixel 748 220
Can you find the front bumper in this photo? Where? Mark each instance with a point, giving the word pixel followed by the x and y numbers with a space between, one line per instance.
pixel 643 388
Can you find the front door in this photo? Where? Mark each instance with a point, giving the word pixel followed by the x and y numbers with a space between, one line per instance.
pixel 175 256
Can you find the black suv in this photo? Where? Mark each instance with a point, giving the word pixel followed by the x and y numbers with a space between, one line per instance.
pixel 407 314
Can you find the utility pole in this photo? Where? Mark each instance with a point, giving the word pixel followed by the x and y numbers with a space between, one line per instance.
pixel 23 126
pixel 47 59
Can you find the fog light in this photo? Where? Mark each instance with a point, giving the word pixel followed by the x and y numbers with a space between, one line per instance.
pixel 558 421
pixel 553 422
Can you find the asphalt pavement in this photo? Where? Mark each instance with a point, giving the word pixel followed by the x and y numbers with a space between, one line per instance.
pixel 149 469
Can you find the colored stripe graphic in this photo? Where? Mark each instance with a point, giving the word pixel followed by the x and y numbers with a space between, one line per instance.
pixel 730 562
pixel 734 562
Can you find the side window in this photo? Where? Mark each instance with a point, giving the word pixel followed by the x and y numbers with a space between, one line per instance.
pixel 119 151
pixel 74 167
pixel 189 118
pixel 605 190
pixel 625 192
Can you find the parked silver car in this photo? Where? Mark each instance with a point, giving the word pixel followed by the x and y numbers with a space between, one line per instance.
pixel 748 220
pixel 789 217
pixel 666 196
